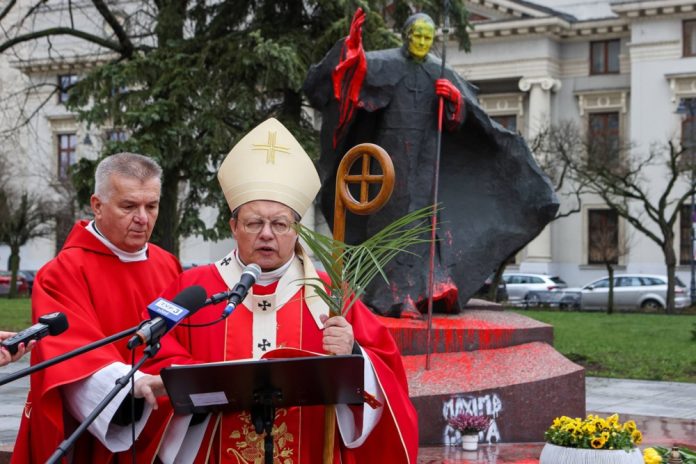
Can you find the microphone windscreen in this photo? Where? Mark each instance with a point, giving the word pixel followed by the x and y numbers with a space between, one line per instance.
pixel 192 298
pixel 252 269
pixel 57 322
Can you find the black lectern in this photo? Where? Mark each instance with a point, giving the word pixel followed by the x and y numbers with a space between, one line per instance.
pixel 263 385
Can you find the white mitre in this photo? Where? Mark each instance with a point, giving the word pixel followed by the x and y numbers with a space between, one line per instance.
pixel 269 164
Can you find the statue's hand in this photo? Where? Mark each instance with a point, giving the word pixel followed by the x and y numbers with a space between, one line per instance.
pixel 354 39
pixel 447 90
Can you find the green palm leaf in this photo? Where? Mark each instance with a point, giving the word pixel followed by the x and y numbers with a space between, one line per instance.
pixel 352 267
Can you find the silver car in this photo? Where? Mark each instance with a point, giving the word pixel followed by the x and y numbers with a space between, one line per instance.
pixel 633 291
pixel 519 285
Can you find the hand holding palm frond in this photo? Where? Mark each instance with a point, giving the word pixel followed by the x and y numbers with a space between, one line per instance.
pixel 352 267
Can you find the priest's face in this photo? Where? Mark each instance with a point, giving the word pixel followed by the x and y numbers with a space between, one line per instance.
pixel 126 214
pixel 420 39
pixel 264 234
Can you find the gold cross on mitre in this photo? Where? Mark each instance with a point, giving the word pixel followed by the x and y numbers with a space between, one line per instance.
pixel 270 148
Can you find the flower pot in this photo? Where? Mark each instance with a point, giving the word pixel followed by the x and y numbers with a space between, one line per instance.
pixel 552 454
pixel 470 442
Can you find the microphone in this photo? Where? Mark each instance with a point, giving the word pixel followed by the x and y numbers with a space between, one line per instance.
pixel 166 314
pixel 49 324
pixel 237 294
pixel 239 291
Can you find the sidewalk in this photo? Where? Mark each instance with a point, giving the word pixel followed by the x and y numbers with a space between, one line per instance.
pixel 664 411
pixel 641 397
pixel 13 395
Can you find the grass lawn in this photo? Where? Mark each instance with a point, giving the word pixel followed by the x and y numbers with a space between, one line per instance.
pixel 632 346
pixel 15 314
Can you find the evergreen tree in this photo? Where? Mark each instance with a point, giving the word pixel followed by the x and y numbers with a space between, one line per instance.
pixel 187 79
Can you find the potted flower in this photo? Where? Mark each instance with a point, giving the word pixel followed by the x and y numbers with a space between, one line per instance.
pixel 469 426
pixel 594 439
pixel 662 455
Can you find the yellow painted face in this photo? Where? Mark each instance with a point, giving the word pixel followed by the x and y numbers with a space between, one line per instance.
pixel 420 39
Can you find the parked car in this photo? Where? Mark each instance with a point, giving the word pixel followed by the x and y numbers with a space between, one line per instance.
pixel 520 284
pixel 5 279
pixel 501 294
pixel 29 277
pixel 565 298
pixel 633 291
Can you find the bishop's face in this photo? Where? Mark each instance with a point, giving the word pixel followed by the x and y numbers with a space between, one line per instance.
pixel 264 234
pixel 420 39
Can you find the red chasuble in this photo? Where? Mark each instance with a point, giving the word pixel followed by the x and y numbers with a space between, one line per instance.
pixel 297 432
pixel 100 295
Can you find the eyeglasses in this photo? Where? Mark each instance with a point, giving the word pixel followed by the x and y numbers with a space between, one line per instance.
pixel 278 226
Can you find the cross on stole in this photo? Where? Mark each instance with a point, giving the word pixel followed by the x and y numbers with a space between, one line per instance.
pixel 264 305
pixel 270 147
pixel 264 345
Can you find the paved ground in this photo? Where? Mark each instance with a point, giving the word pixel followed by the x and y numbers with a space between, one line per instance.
pixel 664 411
pixel 642 397
pixel 12 400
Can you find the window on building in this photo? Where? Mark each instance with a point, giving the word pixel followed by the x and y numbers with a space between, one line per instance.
pixel 604 140
pixel 604 57
pixel 116 135
pixel 508 121
pixel 687 107
pixel 689 37
pixel 65 82
pixel 603 236
pixel 67 144
pixel 685 221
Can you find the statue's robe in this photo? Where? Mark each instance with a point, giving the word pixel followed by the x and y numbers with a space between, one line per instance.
pixel 493 195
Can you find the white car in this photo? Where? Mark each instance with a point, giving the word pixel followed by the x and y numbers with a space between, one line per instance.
pixel 633 291
pixel 519 284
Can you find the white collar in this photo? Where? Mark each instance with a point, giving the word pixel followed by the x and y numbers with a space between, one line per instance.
pixel 267 278
pixel 124 256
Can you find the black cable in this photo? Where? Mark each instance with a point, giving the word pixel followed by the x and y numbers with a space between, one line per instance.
pixel 132 402
pixel 205 324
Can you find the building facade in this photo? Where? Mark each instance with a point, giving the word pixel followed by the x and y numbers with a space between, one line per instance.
pixel 624 68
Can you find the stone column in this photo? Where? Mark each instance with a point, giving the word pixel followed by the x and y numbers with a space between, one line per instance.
pixel 539 89
pixel 539 250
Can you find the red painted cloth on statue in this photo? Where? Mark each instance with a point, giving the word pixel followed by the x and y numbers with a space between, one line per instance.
pixel 395 438
pixel 100 295
pixel 349 74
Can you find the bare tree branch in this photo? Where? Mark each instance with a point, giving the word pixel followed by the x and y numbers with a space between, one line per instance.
pixel 5 11
pixel 62 31
pixel 127 47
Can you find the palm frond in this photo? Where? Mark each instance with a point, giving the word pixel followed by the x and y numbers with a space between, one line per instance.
pixel 352 267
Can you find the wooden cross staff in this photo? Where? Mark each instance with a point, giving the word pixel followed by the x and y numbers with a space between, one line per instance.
pixel 364 206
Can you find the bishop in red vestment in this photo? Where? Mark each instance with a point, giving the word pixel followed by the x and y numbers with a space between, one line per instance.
pixel 269 182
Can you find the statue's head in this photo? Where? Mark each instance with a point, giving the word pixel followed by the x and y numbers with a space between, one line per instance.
pixel 418 33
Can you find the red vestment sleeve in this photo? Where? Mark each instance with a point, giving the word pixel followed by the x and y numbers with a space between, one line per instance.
pixel 397 431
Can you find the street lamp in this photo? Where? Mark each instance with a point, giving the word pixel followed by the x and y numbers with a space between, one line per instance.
pixel 687 106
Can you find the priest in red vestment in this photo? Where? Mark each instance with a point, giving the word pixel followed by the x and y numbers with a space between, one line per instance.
pixel 104 276
pixel 269 183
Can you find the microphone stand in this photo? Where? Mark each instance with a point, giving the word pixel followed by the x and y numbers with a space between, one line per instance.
pixel 71 354
pixel 63 448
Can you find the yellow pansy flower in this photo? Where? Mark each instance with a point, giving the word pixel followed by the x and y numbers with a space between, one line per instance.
pixel 637 437
pixel 597 442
